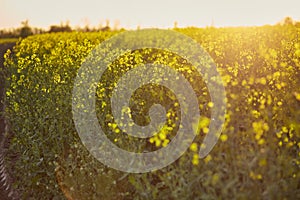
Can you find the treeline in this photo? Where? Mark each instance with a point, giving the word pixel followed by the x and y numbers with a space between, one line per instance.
pixel 26 30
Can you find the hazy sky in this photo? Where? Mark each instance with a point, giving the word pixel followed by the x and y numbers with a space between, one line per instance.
pixel 147 13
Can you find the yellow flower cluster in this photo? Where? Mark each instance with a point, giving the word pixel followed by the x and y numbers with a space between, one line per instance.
pixel 259 128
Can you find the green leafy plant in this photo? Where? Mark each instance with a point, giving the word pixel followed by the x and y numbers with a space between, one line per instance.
pixel 258 152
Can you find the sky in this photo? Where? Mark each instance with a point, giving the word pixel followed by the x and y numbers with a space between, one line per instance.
pixel 146 13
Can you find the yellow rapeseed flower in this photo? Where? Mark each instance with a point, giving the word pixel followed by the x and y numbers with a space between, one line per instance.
pixel 210 104
pixel 194 147
pixel 207 158
pixel 215 178
pixel 297 95
pixel 262 162
pixel 195 159
pixel 205 130
pixel 165 142
pixel 285 129
pixel 223 137
pixel 263 81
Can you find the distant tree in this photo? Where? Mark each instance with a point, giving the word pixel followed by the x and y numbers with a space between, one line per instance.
pixel 38 30
pixel 175 24
pixel 25 29
pixel 287 21
pixel 61 28
pixel 106 28
pixel 86 28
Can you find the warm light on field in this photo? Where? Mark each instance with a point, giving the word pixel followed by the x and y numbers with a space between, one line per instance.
pixel 92 111
pixel 154 13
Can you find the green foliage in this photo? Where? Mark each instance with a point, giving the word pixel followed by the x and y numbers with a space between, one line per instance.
pixel 257 155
